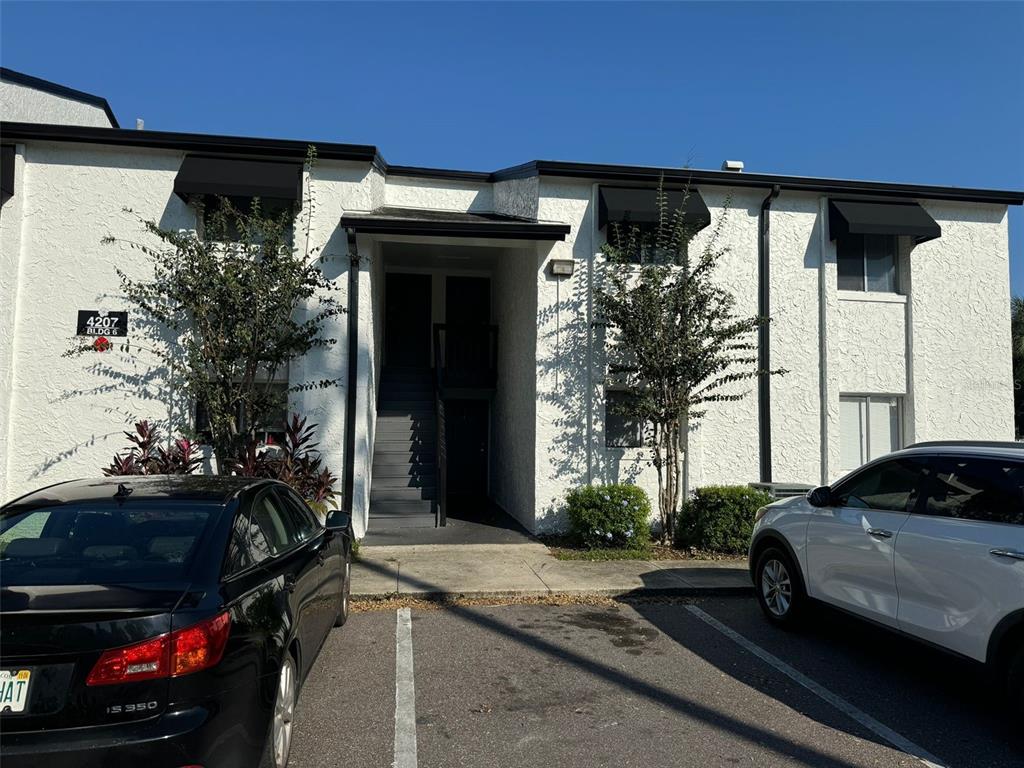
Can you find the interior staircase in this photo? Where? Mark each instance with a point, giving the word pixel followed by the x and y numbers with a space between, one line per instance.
pixel 404 481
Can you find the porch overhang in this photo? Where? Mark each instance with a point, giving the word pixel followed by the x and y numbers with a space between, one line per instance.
pixel 427 223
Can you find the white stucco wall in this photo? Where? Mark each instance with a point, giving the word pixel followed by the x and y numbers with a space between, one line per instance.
pixel 513 409
pixel 960 327
pixel 438 194
pixel 20 103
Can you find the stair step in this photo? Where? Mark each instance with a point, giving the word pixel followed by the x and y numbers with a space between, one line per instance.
pixel 402 494
pixel 410 461
pixel 401 508
pixel 384 525
pixel 392 482
pixel 417 447
pixel 403 422
pixel 398 407
pixel 404 469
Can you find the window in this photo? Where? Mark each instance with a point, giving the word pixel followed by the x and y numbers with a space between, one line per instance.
pixel 269 428
pixel 240 544
pixel 102 543
pixel 639 242
pixel 867 263
pixel 305 521
pixel 891 486
pixel 226 229
pixel 273 530
pixel 620 430
pixel 869 427
pixel 974 488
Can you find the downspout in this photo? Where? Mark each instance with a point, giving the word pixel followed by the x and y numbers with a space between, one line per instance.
pixel 764 395
pixel 349 480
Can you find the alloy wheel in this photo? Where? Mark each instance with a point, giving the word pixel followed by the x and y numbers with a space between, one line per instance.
pixel 776 587
pixel 284 712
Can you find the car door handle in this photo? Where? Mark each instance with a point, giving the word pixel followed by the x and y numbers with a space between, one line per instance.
pixel 881 533
pixel 1010 553
pixel 289 583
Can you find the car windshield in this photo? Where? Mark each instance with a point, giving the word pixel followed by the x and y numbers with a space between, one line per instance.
pixel 100 543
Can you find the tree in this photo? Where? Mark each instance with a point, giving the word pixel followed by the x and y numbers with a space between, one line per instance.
pixel 1017 353
pixel 674 340
pixel 230 307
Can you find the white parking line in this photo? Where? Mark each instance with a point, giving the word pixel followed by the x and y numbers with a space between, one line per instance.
pixel 405 694
pixel 900 742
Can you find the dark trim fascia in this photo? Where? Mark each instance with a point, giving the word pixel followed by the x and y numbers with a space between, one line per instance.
pixel 490 230
pixel 349 473
pixel 651 175
pixel 191 142
pixel 437 173
pixel 764 356
pixel 56 89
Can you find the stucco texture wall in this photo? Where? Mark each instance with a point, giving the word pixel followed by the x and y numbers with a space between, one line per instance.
pixel 513 410
pixel 960 328
pixel 19 103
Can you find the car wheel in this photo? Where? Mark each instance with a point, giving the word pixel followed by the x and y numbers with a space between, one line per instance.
pixel 279 738
pixel 779 590
pixel 346 589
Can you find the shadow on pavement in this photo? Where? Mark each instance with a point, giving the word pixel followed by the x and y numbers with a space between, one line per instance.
pixel 682 705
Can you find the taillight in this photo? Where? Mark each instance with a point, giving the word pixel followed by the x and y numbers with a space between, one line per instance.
pixel 178 653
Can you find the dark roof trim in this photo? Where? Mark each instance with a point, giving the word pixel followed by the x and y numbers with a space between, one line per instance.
pixel 20 78
pixel 872 217
pixel 283 148
pixel 651 175
pixel 438 173
pixel 191 142
pixel 490 227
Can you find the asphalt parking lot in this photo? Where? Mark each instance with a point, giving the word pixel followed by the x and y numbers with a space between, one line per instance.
pixel 708 683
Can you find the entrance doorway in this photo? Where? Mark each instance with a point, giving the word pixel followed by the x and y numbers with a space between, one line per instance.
pixel 407 320
pixel 467 428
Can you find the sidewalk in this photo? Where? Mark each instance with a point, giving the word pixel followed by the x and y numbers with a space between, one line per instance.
pixel 519 570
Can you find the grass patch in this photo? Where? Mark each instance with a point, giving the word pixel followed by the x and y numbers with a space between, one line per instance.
pixel 441 602
pixel 604 553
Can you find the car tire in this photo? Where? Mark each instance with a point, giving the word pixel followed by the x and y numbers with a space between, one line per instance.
pixel 346 590
pixel 779 589
pixel 277 748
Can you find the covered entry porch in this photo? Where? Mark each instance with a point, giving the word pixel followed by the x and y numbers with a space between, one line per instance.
pixel 451 438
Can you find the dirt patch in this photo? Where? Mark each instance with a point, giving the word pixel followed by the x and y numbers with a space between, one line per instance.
pixel 441 602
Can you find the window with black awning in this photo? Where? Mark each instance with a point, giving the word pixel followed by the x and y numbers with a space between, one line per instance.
pixel 626 210
pixel 872 217
pixel 274 183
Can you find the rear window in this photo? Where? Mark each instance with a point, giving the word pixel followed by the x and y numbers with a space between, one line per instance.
pixel 101 543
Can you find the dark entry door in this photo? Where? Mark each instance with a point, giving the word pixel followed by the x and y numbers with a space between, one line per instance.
pixel 467 301
pixel 466 427
pixel 407 325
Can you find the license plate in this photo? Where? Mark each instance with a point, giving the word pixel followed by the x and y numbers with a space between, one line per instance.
pixel 14 689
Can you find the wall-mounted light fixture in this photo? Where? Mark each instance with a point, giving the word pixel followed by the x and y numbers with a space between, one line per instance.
pixel 561 267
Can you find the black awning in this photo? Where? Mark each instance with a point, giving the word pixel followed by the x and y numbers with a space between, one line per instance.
pixel 873 217
pixel 427 223
pixel 6 172
pixel 228 177
pixel 639 205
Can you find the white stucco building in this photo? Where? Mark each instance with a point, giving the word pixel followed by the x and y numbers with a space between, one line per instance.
pixel 889 306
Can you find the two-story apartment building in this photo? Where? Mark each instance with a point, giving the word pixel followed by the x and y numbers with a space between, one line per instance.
pixel 471 363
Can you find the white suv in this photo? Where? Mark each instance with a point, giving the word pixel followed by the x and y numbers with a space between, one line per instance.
pixel 928 541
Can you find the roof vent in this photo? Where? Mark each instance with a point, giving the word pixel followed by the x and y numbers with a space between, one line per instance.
pixel 140 124
pixel 736 166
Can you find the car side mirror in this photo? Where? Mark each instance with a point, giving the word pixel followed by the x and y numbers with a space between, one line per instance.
pixel 820 496
pixel 338 521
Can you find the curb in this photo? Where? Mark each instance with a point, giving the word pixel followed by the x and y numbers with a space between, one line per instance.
pixel 734 591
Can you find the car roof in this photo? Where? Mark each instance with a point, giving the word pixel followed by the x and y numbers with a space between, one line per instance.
pixel 968 447
pixel 211 489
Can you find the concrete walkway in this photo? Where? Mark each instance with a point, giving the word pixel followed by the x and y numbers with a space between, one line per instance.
pixel 518 570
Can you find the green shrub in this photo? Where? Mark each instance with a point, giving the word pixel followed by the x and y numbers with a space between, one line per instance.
pixel 609 516
pixel 719 518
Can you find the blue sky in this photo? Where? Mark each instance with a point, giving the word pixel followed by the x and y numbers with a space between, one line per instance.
pixel 921 92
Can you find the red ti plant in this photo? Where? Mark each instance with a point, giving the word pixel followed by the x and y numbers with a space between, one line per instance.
pixel 148 456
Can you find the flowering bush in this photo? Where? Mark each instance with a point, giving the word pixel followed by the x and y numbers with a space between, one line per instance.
pixel 610 516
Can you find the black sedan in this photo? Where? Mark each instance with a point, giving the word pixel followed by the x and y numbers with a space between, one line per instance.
pixel 166 622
